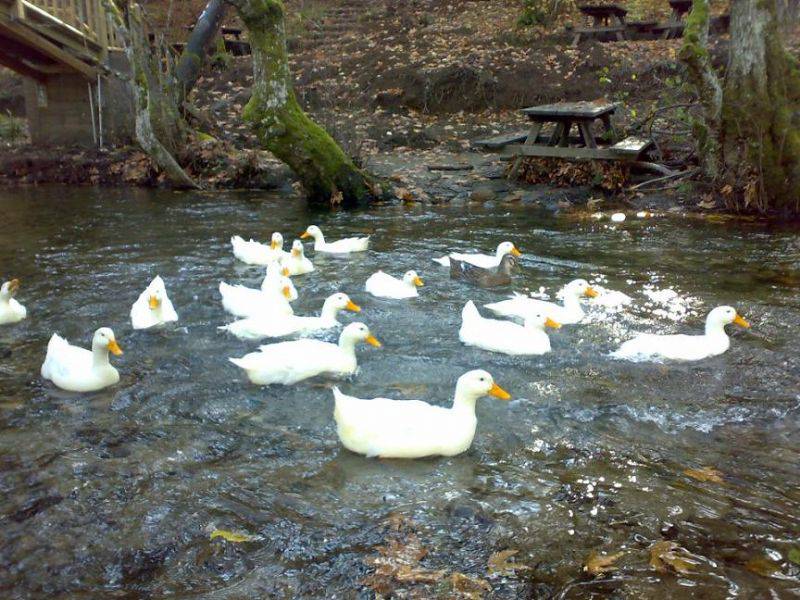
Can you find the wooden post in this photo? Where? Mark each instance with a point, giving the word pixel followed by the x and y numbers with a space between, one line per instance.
pixel 101 26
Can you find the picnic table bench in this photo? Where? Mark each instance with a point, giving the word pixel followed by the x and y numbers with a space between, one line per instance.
pixel 607 20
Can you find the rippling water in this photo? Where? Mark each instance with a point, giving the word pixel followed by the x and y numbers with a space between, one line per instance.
pixel 113 494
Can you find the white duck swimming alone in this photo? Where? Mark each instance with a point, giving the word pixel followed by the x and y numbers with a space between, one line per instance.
pixel 343 246
pixel 571 312
pixel 383 285
pixel 255 328
pixel 289 362
pixel 243 301
pixel 504 336
pixel 11 311
pixel 485 261
pixel 656 347
pixel 153 307
pixel 412 428
pixel 76 369
pixel 296 263
pixel 256 253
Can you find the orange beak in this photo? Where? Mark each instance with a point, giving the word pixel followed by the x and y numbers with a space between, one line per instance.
pixel 499 392
pixel 295 252
pixel 515 252
pixel 304 235
pixel 114 348
pixel 548 322
pixel 287 292
pixel 741 322
pixel 154 302
pixel 13 286
pixel 591 292
pixel 285 271
pixel 273 244
pixel 372 341
pixel 353 306
pixel 418 282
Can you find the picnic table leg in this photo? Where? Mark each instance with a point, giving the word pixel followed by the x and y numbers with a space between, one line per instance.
pixel 621 23
pixel 585 129
pixel 533 134
pixel 564 139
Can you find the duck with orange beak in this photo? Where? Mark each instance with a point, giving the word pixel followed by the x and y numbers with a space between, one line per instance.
pixel 657 348
pixel 256 253
pixel 382 285
pixel 76 369
pixel 504 336
pixel 387 428
pixel 287 363
pixel 571 312
pixel 11 311
pixel 153 307
pixel 273 300
pixel 296 263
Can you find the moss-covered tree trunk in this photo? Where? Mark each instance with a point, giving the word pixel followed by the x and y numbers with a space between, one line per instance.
pixel 761 112
pixel 327 174
pixel 748 137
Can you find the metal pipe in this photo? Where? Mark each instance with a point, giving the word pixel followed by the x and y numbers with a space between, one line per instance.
pixel 91 110
pixel 100 110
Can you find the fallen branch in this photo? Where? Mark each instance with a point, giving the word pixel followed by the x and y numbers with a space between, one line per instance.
pixel 675 175
pixel 651 166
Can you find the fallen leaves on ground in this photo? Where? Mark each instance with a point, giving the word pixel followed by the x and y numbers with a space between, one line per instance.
pixel 398 561
pixel 472 588
pixel 500 564
pixel 232 536
pixel 705 474
pixel 762 566
pixel 600 564
pixel 669 554
pixel 606 175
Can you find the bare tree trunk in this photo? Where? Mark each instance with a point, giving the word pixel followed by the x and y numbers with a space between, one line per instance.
pixel 703 78
pixel 761 112
pixel 193 56
pixel 326 173
pixel 160 129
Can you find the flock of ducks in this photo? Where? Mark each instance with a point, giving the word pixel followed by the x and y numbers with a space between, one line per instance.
pixel 379 426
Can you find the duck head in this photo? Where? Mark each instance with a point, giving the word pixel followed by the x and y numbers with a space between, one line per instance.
pixel 411 279
pixel 9 289
pixel 340 301
pixel 539 321
pixel 104 339
pixel 297 249
pixel 507 248
pixel 312 231
pixel 475 384
pixel 155 298
pixel 724 315
pixel 358 332
pixel 276 242
pixel 580 287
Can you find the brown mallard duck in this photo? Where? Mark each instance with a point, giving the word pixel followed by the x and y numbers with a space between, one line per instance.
pixel 493 277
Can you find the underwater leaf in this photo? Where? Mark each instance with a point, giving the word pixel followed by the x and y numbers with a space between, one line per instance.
pixel 499 563
pixel 705 474
pixel 794 555
pixel 472 588
pixel 762 566
pixel 600 564
pixel 664 554
pixel 232 536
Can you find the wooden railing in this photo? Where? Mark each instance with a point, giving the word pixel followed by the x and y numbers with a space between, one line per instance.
pixel 86 17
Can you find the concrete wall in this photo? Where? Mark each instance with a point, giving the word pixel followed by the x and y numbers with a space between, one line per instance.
pixel 59 111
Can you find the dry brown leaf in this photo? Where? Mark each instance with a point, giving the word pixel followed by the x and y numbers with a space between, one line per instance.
pixel 336 198
pixel 499 563
pixel 469 587
pixel 705 474
pixel 762 566
pixel 600 564
pixel 404 194
pixel 669 554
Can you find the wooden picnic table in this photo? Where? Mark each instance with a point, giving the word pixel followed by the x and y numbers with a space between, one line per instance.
pixel 565 115
pixel 607 19
pixel 674 27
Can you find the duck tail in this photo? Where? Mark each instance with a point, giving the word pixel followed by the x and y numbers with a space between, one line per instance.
pixel 470 312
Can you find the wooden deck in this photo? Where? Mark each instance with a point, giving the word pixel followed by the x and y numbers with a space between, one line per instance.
pixel 43 37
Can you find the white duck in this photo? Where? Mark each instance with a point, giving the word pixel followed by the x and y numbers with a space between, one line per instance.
pixel 505 336
pixel 256 328
pixel 486 261
pixel 655 347
pixel 571 312
pixel 297 263
pixel 272 278
pixel 153 307
pixel 289 362
pixel 385 286
pixel 256 253
pixel 243 301
pixel 343 246
pixel 11 311
pixel 413 428
pixel 76 369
